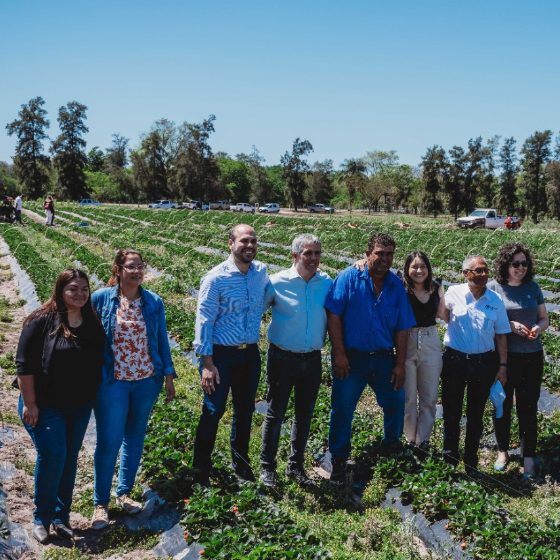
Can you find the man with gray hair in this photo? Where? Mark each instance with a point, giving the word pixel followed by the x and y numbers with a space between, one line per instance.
pixel 296 335
pixel 475 316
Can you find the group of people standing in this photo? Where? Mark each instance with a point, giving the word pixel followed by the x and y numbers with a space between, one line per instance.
pixel 383 334
pixel 109 352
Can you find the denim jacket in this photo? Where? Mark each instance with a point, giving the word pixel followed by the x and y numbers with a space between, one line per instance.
pixel 106 302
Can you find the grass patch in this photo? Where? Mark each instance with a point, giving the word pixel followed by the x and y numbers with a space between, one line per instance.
pixel 59 553
pixel 117 539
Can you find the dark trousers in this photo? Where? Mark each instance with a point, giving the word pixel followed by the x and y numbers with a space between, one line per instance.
pixel 239 371
pixel 524 379
pixel 476 375
pixel 57 437
pixel 287 370
pixel 18 216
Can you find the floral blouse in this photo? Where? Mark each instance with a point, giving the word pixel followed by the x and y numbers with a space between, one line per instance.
pixel 132 356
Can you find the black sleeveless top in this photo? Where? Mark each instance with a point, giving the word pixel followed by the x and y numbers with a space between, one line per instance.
pixel 425 313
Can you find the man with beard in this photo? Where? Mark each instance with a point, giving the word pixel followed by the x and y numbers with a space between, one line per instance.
pixel 368 320
pixel 296 334
pixel 228 317
pixel 475 317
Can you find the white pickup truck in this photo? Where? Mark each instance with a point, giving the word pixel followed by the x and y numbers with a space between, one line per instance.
pixel 483 218
pixel 242 207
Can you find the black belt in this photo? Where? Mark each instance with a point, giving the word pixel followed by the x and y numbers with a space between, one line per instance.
pixel 300 355
pixel 481 357
pixel 234 347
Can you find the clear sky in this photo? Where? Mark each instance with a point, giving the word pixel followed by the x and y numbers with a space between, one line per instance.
pixel 350 76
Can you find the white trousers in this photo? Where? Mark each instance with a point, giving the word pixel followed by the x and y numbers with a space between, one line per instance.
pixel 423 368
pixel 50 217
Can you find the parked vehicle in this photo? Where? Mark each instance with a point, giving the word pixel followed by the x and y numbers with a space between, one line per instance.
pixel 219 205
pixel 194 205
pixel 270 208
pixel 163 204
pixel 89 202
pixel 484 218
pixel 242 207
pixel 320 209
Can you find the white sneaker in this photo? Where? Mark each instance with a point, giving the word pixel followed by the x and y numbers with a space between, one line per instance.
pixel 100 518
pixel 129 505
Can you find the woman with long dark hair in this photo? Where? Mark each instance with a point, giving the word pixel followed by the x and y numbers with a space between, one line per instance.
pixel 59 358
pixel 423 358
pixel 528 318
pixel 137 359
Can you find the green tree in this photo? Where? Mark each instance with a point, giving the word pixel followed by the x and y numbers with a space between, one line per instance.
pixel 68 148
pixel 507 198
pixel 354 178
pixel 552 174
pixel 295 169
pixel 95 160
pixel 472 167
pixel 196 173
pixel 535 154
pixel 117 153
pixel 434 175
pixel 488 184
pixel 275 175
pixel 262 188
pixel 8 180
pixel 235 179
pixel 320 181
pixel 30 163
pixel 455 180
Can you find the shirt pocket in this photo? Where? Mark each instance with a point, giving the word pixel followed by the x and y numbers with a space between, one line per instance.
pixel 485 321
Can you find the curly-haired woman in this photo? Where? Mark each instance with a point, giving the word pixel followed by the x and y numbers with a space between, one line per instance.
pixel 528 318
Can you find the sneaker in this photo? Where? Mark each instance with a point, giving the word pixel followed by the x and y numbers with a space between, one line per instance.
pixel 298 474
pixel 100 518
pixel 129 505
pixel 62 530
pixel 338 473
pixel 40 534
pixel 268 478
pixel 501 462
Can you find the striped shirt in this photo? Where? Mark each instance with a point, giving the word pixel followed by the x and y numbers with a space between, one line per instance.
pixel 230 306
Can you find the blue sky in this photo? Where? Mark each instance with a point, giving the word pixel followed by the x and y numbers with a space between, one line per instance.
pixel 350 76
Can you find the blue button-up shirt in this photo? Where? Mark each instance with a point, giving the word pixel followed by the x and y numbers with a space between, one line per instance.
pixel 230 306
pixel 299 319
pixel 369 320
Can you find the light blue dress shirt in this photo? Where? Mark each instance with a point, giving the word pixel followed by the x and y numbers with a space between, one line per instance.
pixel 230 306
pixel 299 319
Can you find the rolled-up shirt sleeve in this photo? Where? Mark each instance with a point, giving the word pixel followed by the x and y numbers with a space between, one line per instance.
pixel 337 298
pixel 206 314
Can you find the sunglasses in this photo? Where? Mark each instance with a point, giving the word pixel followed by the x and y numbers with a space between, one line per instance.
pixel 517 264
pixel 479 270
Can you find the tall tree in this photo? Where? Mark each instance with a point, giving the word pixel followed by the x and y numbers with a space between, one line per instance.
pixel 95 160
pixel 320 181
pixel 31 164
pixel 295 169
pixel 472 165
pixel 196 172
pixel 507 198
pixel 117 153
pixel 552 174
pixel 354 177
pixel 68 148
pixel 487 182
pixel 455 180
pixel 262 189
pixel 434 173
pixel 235 179
pixel 535 154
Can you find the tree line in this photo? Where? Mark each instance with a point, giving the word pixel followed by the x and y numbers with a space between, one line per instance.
pixel 177 161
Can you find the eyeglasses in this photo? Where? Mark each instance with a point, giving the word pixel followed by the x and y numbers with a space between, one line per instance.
pixel 480 270
pixel 132 268
pixel 517 264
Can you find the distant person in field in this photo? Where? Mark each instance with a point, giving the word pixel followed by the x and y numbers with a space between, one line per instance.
pixel 18 207
pixel 369 317
pixel 137 363
pixel 296 334
pixel 472 361
pixel 59 359
pixel 528 318
pixel 48 206
pixel 228 318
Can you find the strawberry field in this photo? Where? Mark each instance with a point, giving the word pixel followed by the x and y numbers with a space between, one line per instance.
pixel 495 516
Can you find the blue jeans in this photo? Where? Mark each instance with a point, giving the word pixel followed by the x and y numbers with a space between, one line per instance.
pixel 376 372
pixel 239 370
pixel 58 438
pixel 122 411
pixel 287 370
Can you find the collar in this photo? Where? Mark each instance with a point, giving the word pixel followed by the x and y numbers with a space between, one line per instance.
pixel 230 266
pixel 293 273
pixel 389 280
